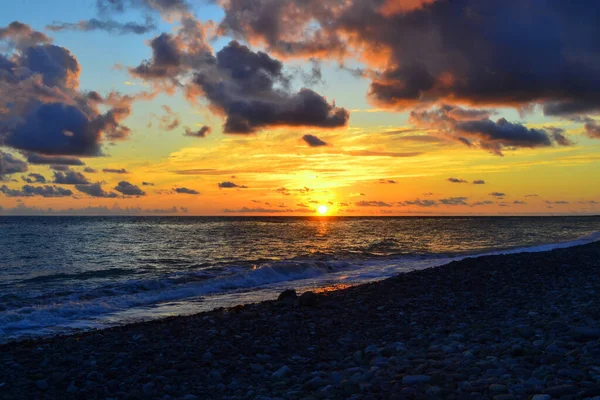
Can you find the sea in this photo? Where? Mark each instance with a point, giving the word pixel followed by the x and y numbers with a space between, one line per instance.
pixel 61 275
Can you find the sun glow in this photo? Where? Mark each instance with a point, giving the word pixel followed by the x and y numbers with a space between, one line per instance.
pixel 322 210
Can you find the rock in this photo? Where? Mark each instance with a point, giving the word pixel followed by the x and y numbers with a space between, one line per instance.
pixel 415 379
pixel 72 388
pixel 541 397
pixel 256 368
pixel 42 384
pixel 281 372
pixel 308 299
pixel 288 296
pixel 497 388
pixel 148 389
pixel 561 390
pixel 585 332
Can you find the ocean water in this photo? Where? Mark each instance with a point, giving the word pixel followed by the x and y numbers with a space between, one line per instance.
pixel 63 274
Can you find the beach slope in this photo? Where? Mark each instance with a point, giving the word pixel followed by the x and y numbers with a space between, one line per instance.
pixel 501 327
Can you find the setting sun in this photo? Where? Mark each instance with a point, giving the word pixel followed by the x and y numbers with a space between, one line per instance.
pixel 322 210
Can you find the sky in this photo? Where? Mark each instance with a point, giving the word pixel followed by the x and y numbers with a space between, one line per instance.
pixel 299 107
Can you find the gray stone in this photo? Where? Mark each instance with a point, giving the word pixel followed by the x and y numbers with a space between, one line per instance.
pixel 42 384
pixel 541 397
pixel 281 372
pixel 415 379
pixel 561 390
pixel 308 299
pixel 288 296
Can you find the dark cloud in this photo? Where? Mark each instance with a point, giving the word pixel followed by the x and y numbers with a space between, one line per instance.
pixel 202 132
pixel 10 164
pixel 313 141
pixel 482 203
pixel 419 203
pixel 47 114
pixel 559 137
pixel 147 184
pixel 230 185
pixel 20 35
pixel 454 201
pixel 169 121
pixel 90 170
pixel 497 194
pixel 166 8
pixel 129 189
pixel 558 202
pixel 115 171
pixel 249 88
pixel 70 178
pixel 456 180
pixel 372 204
pixel 60 167
pixel 30 191
pixel 184 190
pixel 104 25
pixel 95 190
pixel 493 136
pixel 592 129
pixel 519 202
pixel 34 158
pixel 34 178
pixel 478 182
pixel 388 181
pixel 419 55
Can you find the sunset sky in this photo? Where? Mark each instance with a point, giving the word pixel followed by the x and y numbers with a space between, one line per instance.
pixel 272 107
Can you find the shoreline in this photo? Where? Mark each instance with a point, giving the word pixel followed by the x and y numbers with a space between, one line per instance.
pixel 404 341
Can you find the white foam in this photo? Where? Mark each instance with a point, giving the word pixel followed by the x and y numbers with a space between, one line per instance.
pixel 179 293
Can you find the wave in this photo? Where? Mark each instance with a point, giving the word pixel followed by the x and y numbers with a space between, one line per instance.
pixel 84 308
pixel 136 293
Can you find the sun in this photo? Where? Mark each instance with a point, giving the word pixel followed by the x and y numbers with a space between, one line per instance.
pixel 322 210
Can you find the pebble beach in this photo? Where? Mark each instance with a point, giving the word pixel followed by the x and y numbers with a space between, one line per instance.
pixel 518 326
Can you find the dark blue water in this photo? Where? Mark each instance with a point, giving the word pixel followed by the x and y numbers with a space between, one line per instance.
pixel 63 273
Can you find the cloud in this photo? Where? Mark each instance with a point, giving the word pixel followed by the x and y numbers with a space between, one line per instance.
pixel 200 133
pixel 558 202
pixel 147 184
pixel 90 170
pixel 313 141
pixel 34 158
pixel 482 203
pixel 416 52
pixel 95 190
pixel 456 180
pixel 20 36
pixel 249 88
pixel 110 26
pixel 230 185
pixel 129 189
pixel 479 182
pixel 60 167
pixel 34 178
pixel 169 121
pixel 372 204
pixel 115 171
pixel 493 136
pixel 592 129
pixel 166 8
pixel 454 201
pixel 388 181
pixel 184 190
pixel 497 194
pixel 46 111
pixel 30 191
pixel 22 209
pixel 10 164
pixel 419 203
pixel 70 178
pixel 371 153
pixel 519 202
